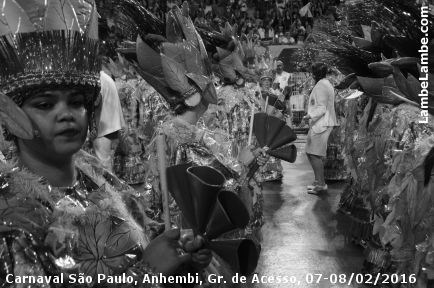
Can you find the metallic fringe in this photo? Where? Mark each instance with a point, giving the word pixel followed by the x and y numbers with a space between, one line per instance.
pixel 56 57
pixel 31 62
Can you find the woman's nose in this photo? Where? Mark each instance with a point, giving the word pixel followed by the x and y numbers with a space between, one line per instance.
pixel 64 112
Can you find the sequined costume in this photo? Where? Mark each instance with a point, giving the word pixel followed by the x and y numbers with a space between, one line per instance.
pixel 272 170
pixel 186 143
pixel 232 119
pixel 172 58
pixel 143 108
pixel 87 228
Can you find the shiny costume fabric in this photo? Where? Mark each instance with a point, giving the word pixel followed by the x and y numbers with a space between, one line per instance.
pixel 232 119
pixel 143 108
pixel 232 116
pixel 92 227
pixel 187 143
pixel 184 143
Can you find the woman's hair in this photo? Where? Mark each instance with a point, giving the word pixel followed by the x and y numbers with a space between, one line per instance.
pixel 319 70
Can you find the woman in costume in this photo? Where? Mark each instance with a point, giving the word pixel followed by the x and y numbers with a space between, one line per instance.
pixel 143 108
pixel 61 213
pixel 178 68
pixel 231 116
pixel 273 170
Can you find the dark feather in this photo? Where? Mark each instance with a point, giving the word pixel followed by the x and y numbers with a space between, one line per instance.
pixel 144 21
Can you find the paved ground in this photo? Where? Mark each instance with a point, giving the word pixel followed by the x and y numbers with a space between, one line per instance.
pixel 300 235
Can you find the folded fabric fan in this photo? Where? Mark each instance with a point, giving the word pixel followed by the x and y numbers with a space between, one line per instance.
pixel 273 100
pixel 274 136
pixel 211 211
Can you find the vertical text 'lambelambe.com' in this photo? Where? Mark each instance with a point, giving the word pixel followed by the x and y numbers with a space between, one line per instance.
pixel 424 56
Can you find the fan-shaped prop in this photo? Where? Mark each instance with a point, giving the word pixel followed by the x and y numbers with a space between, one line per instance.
pixel 211 212
pixel 287 153
pixel 205 183
pixel 230 213
pixel 241 254
pixel 179 186
pixel 272 132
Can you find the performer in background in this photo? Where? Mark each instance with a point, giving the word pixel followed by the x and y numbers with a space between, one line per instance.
pixel 110 121
pixel 273 170
pixel 60 210
pixel 281 78
pixel 187 142
pixel 229 120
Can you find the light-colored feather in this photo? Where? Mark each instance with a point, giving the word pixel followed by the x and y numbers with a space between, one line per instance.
pixel 14 118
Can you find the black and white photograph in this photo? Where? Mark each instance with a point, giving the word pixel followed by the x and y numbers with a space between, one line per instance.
pixel 216 143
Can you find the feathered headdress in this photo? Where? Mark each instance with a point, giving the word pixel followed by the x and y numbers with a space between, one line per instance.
pixel 172 57
pixel 47 44
pixel 266 66
pixel 52 42
pixel 228 52
pixel 248 44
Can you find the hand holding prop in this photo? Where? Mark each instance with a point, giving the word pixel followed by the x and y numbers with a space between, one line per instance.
pixel 273 136
pixel 211 211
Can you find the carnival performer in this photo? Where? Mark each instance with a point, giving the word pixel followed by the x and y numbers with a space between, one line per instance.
pixel 178 69
pixel 182 76
pixel 273 170
pixel 61 213
pixel 231 117
pixel 143 108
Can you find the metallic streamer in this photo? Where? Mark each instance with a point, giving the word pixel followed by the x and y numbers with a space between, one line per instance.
pixel 44 50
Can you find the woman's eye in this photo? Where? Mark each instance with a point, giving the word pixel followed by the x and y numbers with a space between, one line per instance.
pixel 78 103
pixel 43 105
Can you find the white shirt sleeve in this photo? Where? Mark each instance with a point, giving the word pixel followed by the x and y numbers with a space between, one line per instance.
pixel 110 117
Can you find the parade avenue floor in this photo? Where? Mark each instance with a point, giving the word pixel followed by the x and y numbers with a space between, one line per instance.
pixel 300 234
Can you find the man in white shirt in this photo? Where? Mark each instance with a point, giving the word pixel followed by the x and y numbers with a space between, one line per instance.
pixel 110 120
pixel 261 31
pixel 281 77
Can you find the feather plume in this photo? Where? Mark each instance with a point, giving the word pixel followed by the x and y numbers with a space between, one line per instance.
pixel 16 120
pixel 174 74
pixel 144 21
pixel 15 18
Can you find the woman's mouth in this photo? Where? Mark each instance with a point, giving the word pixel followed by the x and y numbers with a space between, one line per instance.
pixel 70 132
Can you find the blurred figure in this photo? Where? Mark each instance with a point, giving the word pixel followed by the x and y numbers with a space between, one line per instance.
pixel 281 77
pixel 110 121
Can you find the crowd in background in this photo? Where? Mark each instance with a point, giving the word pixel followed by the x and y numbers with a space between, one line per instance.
pixel 271 21
pixel 267 19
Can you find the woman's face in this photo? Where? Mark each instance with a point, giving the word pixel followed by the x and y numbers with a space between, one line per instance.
pixel 266 83
pixel 61 121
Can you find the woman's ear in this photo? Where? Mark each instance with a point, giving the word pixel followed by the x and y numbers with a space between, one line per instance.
pixel 15 119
